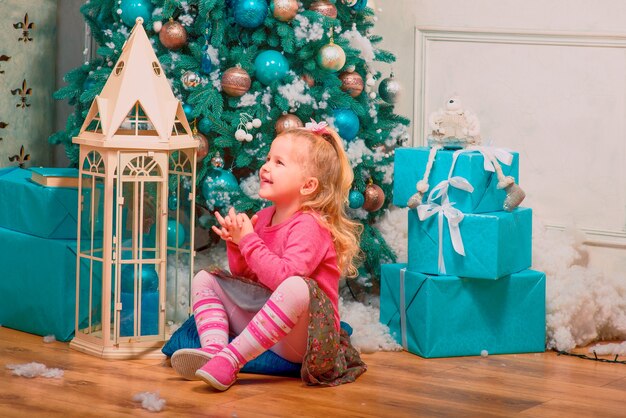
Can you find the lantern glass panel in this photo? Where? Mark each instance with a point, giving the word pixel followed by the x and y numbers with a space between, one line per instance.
pixel 140 300
pixel 179 236
pixel 140 256
pixel 90 251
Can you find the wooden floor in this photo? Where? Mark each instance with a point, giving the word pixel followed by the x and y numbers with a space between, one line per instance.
pixel 396 385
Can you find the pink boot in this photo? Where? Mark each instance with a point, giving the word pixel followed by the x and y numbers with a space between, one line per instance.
pixel 219 373
pixel 187 360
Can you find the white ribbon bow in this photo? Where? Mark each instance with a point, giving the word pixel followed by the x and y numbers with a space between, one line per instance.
pixel 490 154
pixel 454 217
pixel 441 189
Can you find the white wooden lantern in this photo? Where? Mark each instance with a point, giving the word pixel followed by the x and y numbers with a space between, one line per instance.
pixel 136 210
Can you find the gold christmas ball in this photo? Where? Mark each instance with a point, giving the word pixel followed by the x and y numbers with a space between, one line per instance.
pixel 173 35
pixel 203 148
pixel 286 122
pixel 308 80
pixel 351 82
pixel 236 81
pixel 349 3
pixel 374 198
pixel 331 57
pixel 285 10
pixel 324 7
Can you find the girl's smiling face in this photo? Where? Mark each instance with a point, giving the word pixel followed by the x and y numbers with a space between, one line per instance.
pixel 283 176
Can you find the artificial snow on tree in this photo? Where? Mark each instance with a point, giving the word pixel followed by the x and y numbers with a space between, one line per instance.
pixel 242 70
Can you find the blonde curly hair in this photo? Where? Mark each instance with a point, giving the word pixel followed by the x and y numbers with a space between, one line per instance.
pixel 322 155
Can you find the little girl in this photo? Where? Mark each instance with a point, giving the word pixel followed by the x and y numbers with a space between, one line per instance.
pixel 297 249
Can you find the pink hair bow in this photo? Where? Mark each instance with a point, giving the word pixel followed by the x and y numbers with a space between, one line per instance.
pixel 316 127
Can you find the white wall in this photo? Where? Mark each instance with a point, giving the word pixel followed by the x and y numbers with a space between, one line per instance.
pixel 544 79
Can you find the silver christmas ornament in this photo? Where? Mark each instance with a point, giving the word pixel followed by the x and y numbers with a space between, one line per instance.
pixel 389 89
pixel 217 161
pixel 190 79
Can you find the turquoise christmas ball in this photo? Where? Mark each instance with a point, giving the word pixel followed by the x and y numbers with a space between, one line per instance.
pixel 175 233
pixel 250 13
pixel 356 199
pixel 132 9
pixel 216 185
pixel 347 123
pixel 88 84
pixel 360 5
pixel 270 66
pixel 205 125
pixel 149 278
pixel 188 109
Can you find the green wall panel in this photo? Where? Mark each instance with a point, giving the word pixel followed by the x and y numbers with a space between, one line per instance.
pixel 27 74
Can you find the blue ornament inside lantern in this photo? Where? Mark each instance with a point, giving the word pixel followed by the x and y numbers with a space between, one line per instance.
pixel 270 66
pixel 132 9
pixel 188 109
pixel 206 65
pixel 205 125
pixel 250 13
pixel 175 233
pixel 356 199
pixel 148 243
pixel 172 202
pixel 149 300
pixel 149 314
pixel 149 278
pixel 347 123
pixel 216 185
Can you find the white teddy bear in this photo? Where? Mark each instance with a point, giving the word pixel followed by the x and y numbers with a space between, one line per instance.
pixel 454 127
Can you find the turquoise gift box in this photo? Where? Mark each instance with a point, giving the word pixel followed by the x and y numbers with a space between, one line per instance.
pixel 38 284
pixel 28 207
pixel 447 316
pixel 496 244
pixel 410 165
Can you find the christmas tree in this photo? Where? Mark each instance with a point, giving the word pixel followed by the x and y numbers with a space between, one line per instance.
pixel 246 70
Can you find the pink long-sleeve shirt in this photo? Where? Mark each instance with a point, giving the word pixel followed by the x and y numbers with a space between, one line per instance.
pixel 299 246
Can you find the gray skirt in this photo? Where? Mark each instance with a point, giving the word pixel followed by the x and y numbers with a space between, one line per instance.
pixel 245 293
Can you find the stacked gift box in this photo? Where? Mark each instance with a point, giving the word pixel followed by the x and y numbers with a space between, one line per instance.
pixel 467 288
pixel 37 255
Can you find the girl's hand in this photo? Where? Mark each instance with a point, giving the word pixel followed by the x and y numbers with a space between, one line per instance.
pixel 232 218
pixel 223 232
pixel 244 226
pixel 235 226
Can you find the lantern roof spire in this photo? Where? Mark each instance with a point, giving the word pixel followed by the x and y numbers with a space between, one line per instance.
pixel 137 95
